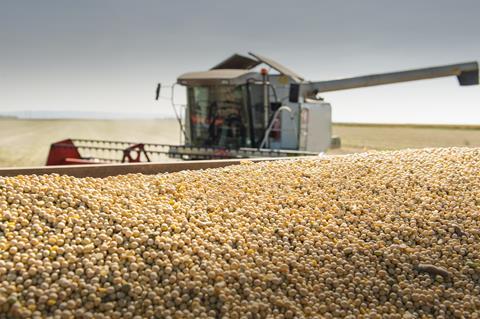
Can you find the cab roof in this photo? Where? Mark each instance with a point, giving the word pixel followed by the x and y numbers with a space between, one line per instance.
pixel 216 76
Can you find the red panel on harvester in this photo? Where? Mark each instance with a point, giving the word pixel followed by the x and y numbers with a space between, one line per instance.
pixel 62 150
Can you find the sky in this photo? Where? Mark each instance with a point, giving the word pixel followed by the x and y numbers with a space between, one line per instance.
pixel 108 55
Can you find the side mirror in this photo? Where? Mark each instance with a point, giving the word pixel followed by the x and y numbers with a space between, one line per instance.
pixel 157 92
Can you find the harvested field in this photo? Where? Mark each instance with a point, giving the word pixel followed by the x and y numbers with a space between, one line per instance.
pixel 361 137
pixel 26 142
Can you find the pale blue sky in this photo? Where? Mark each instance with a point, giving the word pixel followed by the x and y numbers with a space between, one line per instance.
pixel 107 55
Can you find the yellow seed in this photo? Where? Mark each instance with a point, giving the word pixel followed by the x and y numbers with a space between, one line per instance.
pixel 332 237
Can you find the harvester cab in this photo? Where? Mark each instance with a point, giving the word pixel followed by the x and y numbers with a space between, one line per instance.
pixel 232 105
pixel 239 110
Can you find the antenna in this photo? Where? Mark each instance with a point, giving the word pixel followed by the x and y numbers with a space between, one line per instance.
pixel 157 92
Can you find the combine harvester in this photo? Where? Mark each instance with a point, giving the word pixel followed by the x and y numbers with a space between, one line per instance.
pixel 237 110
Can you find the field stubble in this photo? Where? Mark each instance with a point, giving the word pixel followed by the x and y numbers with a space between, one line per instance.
pixel 26 142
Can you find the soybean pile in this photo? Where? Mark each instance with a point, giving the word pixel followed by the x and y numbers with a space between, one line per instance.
pixel 378 235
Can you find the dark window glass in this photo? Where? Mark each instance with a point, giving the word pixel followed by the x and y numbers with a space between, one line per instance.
pixel 218 116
